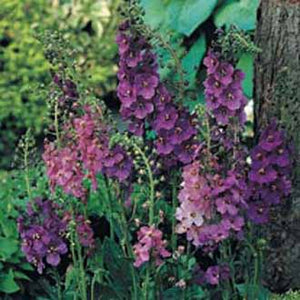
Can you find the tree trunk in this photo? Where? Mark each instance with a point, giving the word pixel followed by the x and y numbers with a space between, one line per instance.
pixel 277 94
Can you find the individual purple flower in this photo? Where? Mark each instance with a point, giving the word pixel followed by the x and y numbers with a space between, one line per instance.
pixel 231 98
pixel 162 97
pixel 222 115
pixel 136 127
pixel 258 212
pixel 146 85
pixel 182 132
pixel 235 223
pixel 271 138
pixel 188 214
pixel 141 108
pixel 238 76
pixel 132 57
pixel 211 61
pixel 127 93
pixel 56 248
pixel 212 275
pixel 226 205
pixel 213 85
pixel 142 254
pixel 224 73
pixel 281 157
pixel 163 144
pixel 186 151
pixel 212 101
pixel 263 175
pixel 123 42
pixel 166 119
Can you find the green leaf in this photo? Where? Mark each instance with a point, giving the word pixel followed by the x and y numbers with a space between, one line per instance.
pixel 191 61
pixel 9 227
pixel 8 247
pixel 246 64
pixel 187 15
pixel 8 284
pixel 155 12
pixel 26 266
pixel 173 294
pixel 21 275
pixel 241 14
pixel 70 277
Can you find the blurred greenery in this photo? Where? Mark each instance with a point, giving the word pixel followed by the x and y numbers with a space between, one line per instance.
pixel 90 27
pixel 290 295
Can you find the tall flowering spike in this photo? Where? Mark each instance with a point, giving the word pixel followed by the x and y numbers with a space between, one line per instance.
pixel 63 169
pixel 223 90
pixel 211 207
pixel 85 233
pixel 145 99
pixel 269 181
pixel 69 93
pixel 42 232
pixel 85 153
pixel 150 244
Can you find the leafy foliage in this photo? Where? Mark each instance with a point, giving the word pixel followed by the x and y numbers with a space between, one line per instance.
pixel 240 13
pixel 88 25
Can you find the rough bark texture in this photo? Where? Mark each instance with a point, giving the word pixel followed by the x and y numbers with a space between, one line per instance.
pixel 277 94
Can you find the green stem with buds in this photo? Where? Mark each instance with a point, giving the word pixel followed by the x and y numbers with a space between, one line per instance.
pixel 26 163
pixel 151 182
pixel 56 123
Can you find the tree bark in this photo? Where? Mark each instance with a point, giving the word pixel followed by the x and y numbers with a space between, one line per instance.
pixel 277 94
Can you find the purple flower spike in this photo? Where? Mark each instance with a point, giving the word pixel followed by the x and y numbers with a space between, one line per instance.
pixel 42 234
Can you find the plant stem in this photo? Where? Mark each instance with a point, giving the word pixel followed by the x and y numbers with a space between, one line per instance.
pixel 56 124
pixel 177 63
pixel 128 247
pixel 146 283
pixel 110 210
pixel 151 183
pixel 57 278
pixel 174 206
pixel 27 180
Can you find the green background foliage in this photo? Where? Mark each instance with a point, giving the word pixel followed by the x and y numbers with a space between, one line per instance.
pixel 90 28
pixel 194 22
